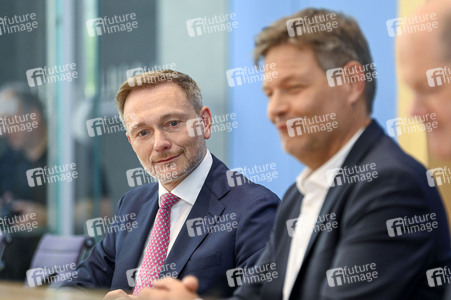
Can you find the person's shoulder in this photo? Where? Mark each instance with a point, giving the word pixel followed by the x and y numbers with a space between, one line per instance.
pixel 392 176
pixel 390 161
pixel 236 183
pixel 141 194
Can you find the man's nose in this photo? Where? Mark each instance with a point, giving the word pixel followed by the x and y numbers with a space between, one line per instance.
pixel 277 106
pixel 161 141
pixel 418 107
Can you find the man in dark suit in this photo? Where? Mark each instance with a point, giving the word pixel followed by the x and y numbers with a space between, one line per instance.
pixel 200 219
pixel 361 221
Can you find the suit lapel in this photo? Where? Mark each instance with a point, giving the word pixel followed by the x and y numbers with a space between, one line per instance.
pixel 134 243
pixel 283 245
pixel 332 198
pixel 207 205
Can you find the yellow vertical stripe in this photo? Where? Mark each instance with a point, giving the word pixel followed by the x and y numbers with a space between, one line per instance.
pixel 414 144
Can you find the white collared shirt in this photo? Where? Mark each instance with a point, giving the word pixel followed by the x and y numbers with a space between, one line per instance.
pixel 314 187
pixel 188 190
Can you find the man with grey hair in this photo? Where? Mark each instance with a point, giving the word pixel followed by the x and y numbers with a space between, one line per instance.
pixel 200 218
pixel 361 221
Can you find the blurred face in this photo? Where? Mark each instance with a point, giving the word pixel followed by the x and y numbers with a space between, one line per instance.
pixel 9 108
pixel 416 56
pixel 301 90
pixel 159 135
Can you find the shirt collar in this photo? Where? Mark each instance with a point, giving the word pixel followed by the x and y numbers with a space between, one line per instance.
pixel 308 180
pixel 190 187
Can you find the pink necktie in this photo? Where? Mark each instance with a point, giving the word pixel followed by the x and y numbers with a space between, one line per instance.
pixel 157 248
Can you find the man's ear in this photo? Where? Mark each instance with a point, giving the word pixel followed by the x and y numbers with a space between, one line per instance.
pixel 128 137
pixel 205 116
pixel 355 80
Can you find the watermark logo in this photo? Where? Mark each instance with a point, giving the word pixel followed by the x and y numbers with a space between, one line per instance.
pixel 57 173
pixel 350 275
pixel 309 125
pixel 249 75
pixel 105 225
pixel 202 226
pixel 195 127
pixel 352 174
pixel 407 225
pixel 18 23
pixel 438 76
pixel 220 123
pixel 256 173
pixel 18 223
pixel 109 124
pixel 49 75
pixel 322 223
pixel 438 276
pixel 140 176
pixel 105 125
pixel 208 25
pixel 131 275
pixel 318 23
pixel 148 75
pixel 406 25
pixel 356 73
pixel 438 176
pixel 401 126
pixel 109 25
pixel 137 275
pixel 249 275
pixel 51 274
pixel 18 123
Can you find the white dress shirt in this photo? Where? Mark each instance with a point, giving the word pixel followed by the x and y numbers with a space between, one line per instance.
pixel 187 191
pixel 314 186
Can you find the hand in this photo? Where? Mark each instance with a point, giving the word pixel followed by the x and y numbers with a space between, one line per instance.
pixel 172 289
pixel 118 295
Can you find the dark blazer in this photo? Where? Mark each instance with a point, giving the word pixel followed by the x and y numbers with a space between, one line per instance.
pixel 207 256
pixel 362 210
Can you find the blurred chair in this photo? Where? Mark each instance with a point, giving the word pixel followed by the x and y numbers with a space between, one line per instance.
pixel 5 239
pixel 53 257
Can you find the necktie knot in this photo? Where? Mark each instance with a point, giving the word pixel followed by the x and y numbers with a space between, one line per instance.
pixel 168 200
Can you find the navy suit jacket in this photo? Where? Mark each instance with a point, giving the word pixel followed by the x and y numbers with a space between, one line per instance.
pixel 361 236
pixel 207 256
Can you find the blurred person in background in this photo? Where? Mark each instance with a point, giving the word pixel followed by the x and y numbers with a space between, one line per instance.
pixel 378 249
pixel 418 55
pixel 23 127
pixel 425 66
pixel 23 202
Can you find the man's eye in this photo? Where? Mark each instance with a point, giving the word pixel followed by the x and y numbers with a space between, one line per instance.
pixel 174 123
pixel 142 133
pixel 295 88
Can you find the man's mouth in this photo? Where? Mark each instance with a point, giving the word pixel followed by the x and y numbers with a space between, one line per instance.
pixel 165 160
pixel 281 126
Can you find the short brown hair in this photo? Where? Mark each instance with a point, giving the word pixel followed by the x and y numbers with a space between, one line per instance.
pixel 333 48
pixel 156 78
